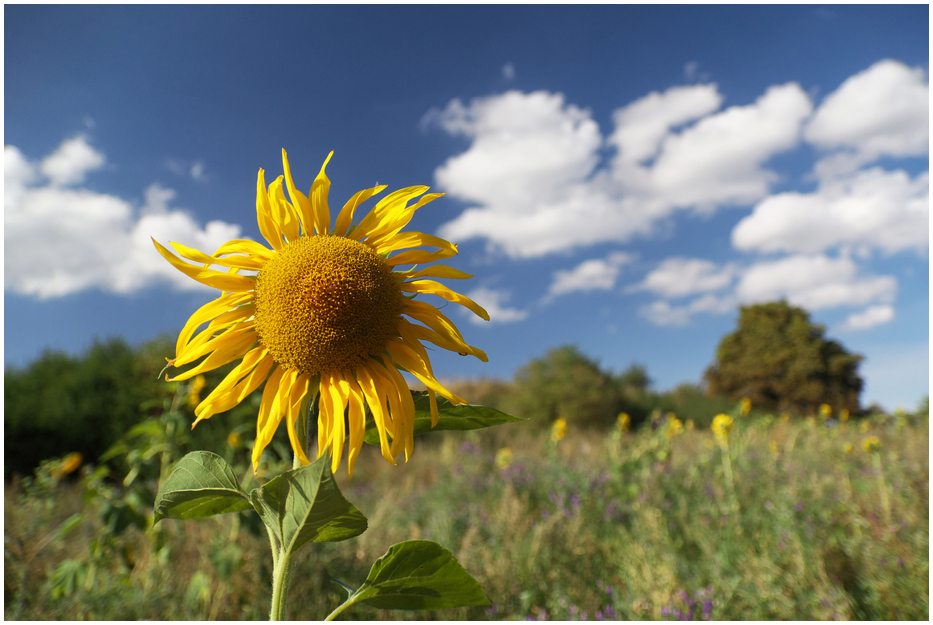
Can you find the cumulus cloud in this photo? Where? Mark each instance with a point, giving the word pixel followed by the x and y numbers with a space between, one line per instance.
pixel 886 210
pixel 882 111
pixel 590 275
pixel 532 174
pixel 869 318
pixel 814 282
pixel 494 301
pixel 677 277
pixel 61 238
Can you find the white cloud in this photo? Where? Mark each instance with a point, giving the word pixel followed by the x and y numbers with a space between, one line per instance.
pixel 869 318
pixel 71 162
pixel 882 111
pixel 61 240
pixel 874 209
pixel 590 275
pixel 677 277
pixel 531 169
pixel 814 282
pixel 494 302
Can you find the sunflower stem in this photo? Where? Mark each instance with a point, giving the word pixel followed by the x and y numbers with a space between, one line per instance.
pixel 280 578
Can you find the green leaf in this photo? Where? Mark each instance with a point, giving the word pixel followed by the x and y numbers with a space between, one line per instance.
pixel 201 484
pixel 305 505
pixel 418 575
pixel 450 417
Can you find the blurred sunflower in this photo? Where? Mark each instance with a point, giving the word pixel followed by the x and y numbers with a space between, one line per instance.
pixel 558 430
pixel 722 428
pixel 323 313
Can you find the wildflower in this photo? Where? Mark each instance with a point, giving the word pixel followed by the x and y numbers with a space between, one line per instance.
pixel 843 415
pixel 847 448
pixel 623 422
pixel 558 430
pixel 233 439
pixel 745 406
pixel 674 426
pixel 722 428
pixel 324 315
pixel 503 458
pixel 864 426
pixel 870 444
pixel 68 464
pixel 194 392
pixel 825 411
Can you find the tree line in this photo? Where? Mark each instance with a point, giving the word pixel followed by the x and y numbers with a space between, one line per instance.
pixel 776 357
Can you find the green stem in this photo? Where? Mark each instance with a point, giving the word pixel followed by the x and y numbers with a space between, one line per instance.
pixel 280 575
pixel 727 469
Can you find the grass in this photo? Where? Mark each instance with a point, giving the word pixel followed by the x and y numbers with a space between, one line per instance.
pixel 614 526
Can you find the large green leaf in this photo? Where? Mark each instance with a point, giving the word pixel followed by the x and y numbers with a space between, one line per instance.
pixel 450 417
pixel 201 484
pixel 305 505
pixel 418 575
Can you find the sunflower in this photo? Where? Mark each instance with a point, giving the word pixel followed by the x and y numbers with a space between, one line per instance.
pixel 324 312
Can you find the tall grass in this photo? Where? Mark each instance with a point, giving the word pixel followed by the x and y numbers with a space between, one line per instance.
pixel 595 526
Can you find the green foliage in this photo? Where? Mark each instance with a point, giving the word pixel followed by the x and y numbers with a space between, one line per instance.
pixel 450 417
pixel 781 361
pixel 61 404
pixel 201 484
pixel 417 575
pixel 565 384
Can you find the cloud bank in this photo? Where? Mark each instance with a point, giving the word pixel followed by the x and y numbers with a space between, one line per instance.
pixel 61 238
pixel 537 181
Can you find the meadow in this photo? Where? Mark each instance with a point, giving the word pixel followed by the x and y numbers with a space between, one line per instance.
pixel 822 519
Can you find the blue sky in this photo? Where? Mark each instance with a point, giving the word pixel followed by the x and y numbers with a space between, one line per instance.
pixel 621 178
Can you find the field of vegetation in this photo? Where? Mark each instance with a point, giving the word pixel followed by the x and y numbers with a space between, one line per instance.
pixel 792 517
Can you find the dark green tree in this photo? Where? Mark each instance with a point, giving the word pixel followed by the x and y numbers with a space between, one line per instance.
pixel 781 361
pixel 566 384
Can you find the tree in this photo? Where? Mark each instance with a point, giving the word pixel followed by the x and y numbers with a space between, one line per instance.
pixel 566 384
pixel 780 360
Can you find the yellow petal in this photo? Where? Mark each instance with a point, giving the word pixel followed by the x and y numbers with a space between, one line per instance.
pixel 436 288
pixel 206 312
pixel 239 383
pixel 245 246
pixel 420 333
pixel 345 217
pixel 238 262
pixel 299 388
pixel 356 416
pixel 210 277
pixel 283 213
pixel 405 421
pixel 200 347
pixel 407 356
pixel 435 271
pixel 334 391
pixel 370 390
pixel 386 212
pixel 223 352
pixel 319 192
pixel 264 215
pixel 420 257
pixel 392 221
pixel 433 318
pixel 270 414
pixel 410 239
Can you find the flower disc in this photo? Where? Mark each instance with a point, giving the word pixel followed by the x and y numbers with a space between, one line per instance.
pixel 326 303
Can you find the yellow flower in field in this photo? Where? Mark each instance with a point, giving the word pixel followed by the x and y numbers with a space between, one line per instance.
pixel 558 430
pixel 847 448
pixel 843 415
pixel 503 457
pixel 233 439
pixel 68 464
pixel 324 314
pixel 673 427
pixel 623 422
pixel 722 428
pixel 745 406
pixel 864 426
pixel 825 411
pixel 871 444
pixel 194 393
